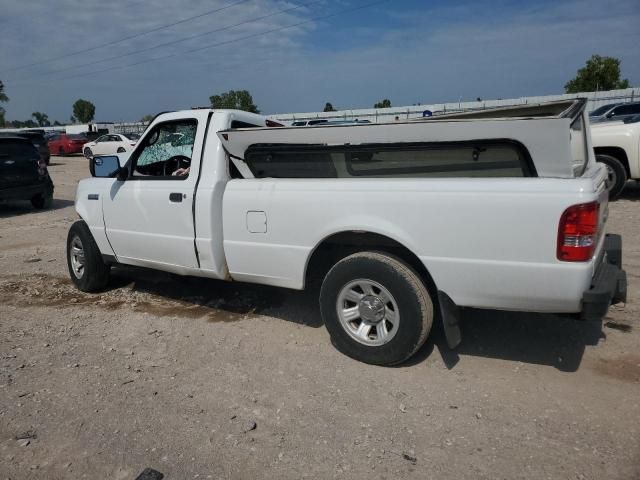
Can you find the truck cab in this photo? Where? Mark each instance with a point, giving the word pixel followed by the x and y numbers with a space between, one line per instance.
pixel 147 216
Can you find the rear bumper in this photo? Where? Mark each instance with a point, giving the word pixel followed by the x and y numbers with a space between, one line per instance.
pixel 74 148
pixel 609 284
pixel 27 192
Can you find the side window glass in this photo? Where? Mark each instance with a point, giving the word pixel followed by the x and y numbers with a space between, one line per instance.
pixel 166 151
pixel 626 110
pixel 462 159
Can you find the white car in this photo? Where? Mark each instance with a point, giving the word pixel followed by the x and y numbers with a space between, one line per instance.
pixel 110 144
pixel 402 222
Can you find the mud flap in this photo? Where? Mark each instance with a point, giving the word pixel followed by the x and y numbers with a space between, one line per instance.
pixel 450 314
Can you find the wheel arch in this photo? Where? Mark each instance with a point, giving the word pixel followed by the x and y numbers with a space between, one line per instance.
pixel 618 153
pixel 335 246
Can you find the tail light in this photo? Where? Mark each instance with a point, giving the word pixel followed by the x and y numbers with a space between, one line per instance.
pixel 42 167
pixel 578 232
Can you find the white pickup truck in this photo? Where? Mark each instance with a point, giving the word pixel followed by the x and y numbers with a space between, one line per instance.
pixel 401 222
pixel 617 145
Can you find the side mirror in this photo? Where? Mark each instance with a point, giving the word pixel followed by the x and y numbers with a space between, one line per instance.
pixel 107 167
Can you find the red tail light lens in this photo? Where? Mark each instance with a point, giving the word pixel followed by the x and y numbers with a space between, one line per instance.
pixel 578 232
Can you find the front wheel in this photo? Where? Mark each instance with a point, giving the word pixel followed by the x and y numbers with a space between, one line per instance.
pixel 88 153
pixel 376 308
pixel 87 269
pixel 616 173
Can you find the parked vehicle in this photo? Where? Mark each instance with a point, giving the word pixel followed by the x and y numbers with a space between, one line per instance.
pixel 38 140
pixel 23 173
pixel 614 111
pixel 110 144
pixel 66 143
pixel 400 220
pixel 617 145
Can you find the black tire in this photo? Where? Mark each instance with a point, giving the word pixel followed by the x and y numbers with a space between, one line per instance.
pixel 42 201
pixel 617 174
pixel 408 291
pixel 120 150
pixel 88 153
pixel 95 273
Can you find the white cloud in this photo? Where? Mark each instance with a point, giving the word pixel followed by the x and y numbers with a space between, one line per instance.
pixel 439 55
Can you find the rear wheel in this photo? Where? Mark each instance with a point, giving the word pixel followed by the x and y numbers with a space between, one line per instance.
pixel 617 175
pixel 88 153
pixel 121 150
pixel 376 308
pixel 87 269
pixel 42 200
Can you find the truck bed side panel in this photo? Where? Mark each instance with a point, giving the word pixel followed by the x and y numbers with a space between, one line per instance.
pixel 486 242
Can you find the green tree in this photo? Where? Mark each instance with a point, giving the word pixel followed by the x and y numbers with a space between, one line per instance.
pixel 599 74
pixel 84 110
pixel 57 124
pixel 147 119
pixel 234 99
pixel 3 96
pixel 328 108
pixel 41 118
pixel 386 103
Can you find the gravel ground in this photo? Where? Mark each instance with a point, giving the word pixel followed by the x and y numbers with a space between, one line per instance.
pixel 204 379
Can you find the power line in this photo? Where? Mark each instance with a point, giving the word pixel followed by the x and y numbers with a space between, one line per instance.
pixel 165 44
pixel 130 37
pixel 227 42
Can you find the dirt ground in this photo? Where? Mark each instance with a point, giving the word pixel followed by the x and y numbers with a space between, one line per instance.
pixel 204 379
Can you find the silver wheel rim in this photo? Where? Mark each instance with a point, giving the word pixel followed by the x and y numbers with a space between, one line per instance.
pixel 368 312
pixel 76 254
pixel 612 177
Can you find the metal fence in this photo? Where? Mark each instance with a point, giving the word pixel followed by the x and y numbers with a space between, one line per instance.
pixel 130 127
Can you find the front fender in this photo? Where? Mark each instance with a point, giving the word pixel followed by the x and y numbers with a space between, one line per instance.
pixel 90 194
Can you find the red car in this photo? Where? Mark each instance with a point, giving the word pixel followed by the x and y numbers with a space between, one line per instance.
pixel 64 144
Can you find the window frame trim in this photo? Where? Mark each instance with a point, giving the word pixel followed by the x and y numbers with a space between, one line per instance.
pixel 133 158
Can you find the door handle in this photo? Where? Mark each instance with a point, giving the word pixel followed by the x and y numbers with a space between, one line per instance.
pixel 175 197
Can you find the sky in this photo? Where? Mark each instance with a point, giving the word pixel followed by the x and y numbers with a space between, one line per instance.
pixel 293 56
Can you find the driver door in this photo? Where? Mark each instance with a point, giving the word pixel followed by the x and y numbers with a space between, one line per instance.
pixel 149 216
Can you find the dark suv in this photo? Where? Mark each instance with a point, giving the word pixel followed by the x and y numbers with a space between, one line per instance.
pixel 23 173
pixel 614 111
pixel 37 138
